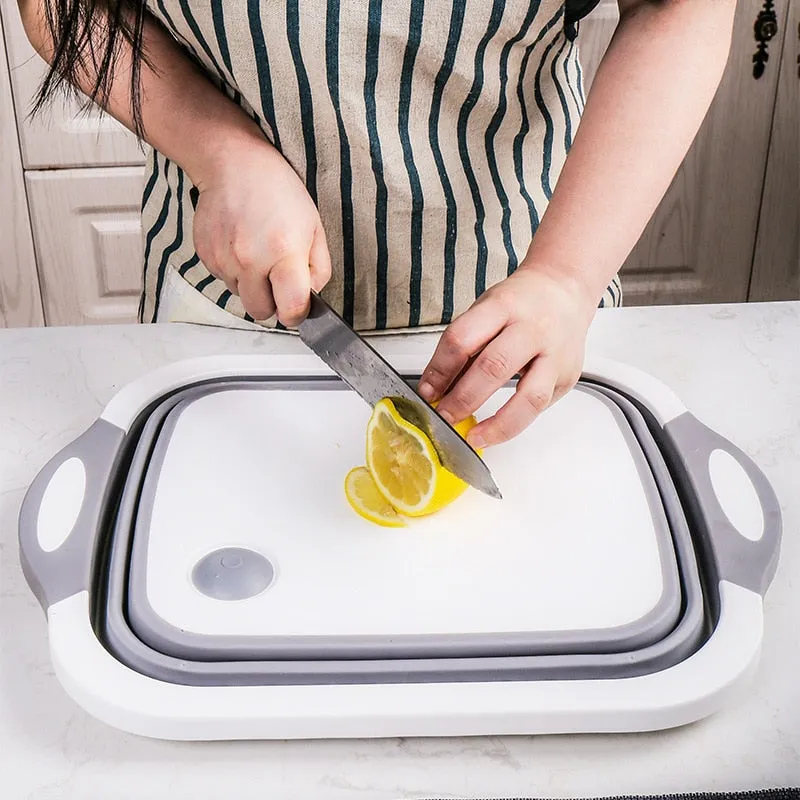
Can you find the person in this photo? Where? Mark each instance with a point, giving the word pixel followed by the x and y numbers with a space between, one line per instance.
pixel 421 164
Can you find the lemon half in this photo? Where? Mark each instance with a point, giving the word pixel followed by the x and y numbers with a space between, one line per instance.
pixel 405 466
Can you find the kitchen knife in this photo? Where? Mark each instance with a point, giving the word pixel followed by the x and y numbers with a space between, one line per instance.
pixel 371 377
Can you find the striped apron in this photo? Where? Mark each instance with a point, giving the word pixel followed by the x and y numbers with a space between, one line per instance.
pixel 430 134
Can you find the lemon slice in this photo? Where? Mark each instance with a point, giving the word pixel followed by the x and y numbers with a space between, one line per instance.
pixel 405 466
pixel 367 501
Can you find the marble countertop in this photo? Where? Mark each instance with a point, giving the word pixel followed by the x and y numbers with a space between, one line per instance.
pixel 736 367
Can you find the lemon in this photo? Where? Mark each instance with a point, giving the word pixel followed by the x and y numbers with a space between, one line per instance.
pixel 367 501
pixel 405 466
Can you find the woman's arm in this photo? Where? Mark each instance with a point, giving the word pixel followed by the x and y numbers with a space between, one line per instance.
pixel 647 102
pixel 255 226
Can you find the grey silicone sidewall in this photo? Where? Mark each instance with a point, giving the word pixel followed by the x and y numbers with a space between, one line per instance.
pixel 67 570
pixel 677 645
pixel 162 636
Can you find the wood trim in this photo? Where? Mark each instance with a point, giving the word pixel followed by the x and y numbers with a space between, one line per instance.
pixel 20 296
pixel 776 262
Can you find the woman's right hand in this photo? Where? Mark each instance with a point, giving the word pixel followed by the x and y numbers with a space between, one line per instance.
pixel 257 229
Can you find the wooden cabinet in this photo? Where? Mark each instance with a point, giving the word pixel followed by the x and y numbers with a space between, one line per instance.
pixel 727 229
pixel 86 223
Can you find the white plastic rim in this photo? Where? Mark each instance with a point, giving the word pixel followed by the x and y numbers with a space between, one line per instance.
pixel 678 695
pixel 132 399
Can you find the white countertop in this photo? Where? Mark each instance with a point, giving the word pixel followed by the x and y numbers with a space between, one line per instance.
pixel 736 367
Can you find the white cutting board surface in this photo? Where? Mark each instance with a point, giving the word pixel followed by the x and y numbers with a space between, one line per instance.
pixel 571 546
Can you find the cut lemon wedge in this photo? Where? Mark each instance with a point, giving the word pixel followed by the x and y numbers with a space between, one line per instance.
pixel 405 466
pixel 367 501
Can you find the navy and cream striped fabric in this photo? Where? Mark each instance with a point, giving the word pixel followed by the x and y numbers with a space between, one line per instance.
pixel 430 134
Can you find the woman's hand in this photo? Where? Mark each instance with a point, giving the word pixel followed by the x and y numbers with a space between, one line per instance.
pixel 257 229
pixel 533 323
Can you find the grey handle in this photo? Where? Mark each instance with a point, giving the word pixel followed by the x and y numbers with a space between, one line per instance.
pixel 59 573
pixel 746 562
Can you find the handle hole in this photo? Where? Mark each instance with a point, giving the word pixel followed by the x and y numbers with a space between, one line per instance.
pixel 736 495
pixel 61 504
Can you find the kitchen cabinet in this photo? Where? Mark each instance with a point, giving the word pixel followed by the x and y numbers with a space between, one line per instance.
pixel 86 223
pixel 726 231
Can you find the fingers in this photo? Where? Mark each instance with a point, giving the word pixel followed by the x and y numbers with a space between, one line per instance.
pixel 536 390
pixel 291 286
pixel 256 295
pixel 500 360
pixel 271 268
pixel 283 288
pixel 465 337
pixel 531 324
pixel 268 287
pixel 319 260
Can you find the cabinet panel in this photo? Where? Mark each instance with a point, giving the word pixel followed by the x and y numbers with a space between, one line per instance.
pixel 776 266
pixel 20 301
pixel 62 136
pixel 86 226
pixel 698 246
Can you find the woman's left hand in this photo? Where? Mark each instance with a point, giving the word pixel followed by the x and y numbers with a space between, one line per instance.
pixel 533 324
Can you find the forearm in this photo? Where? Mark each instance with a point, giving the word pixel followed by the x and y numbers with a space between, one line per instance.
pixel 647 102
pixel 184 115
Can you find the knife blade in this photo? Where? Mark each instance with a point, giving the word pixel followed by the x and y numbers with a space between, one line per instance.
pixel 373 378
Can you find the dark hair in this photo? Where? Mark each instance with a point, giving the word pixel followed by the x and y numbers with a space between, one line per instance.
pixel 89 36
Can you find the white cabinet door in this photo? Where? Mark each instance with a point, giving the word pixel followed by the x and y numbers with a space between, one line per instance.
pixel 87 231
pixel 20 302
pixel 62 135
pixel 698 246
